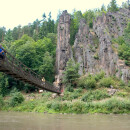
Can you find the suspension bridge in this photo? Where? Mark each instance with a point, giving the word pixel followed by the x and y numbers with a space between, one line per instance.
pixel 11 66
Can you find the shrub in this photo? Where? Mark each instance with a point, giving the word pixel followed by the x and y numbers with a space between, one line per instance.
pixel 1 101
pixel 71 73
pixel 46 94
pixel 106 82
pixel 69 88
pixel 122 94
pixel 81 82
pixel 16 99
pixel 96 56
pixel 95 95
pixel 90 83
pixel 87 82
pixel 99 76
pixel 117 106
pixel 79 90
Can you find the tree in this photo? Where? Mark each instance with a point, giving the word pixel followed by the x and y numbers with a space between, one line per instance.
pixel 89 16
pixel 47 67
pixel 74 26
pixel 71 73
pixel 124 5
pixel 2 33
pixel 127 34
pixel 113 6
pixel 8 37
pixel 103 8
pixel 3 84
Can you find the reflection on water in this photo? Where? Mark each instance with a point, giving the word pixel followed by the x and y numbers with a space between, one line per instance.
pixel 36 121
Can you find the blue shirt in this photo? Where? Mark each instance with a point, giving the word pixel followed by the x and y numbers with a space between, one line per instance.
pixel 1 49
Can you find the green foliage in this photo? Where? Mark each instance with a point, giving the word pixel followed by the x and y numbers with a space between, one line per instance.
pixel 47 68
pixel 2 33
pixel 117 106
pixel 113 6
pixel 69 88
pixel 95 95
pixel 127 34
pixel 122 94
pixel 89 16
pixel 1 102
pixel 46 94
pixel 3 85
pixel 96 56
pixel 99 75
pixel 72 95
pixel 74 25
pixel 87 82
pixel 124 46
pixel 16 98
pixel 106 82
pixel 71 73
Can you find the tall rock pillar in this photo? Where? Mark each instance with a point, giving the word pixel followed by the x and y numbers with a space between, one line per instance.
pixel 63 50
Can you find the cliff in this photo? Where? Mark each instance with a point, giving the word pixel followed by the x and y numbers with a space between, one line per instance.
pixel 93 48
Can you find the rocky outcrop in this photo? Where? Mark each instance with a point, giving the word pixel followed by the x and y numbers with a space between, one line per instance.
pixel 85 48
pixel 107 27
pixel 63 50
pixel 93 48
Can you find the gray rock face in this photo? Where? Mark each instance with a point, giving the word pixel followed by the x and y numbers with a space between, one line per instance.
pixel 93 48
pixel 63 50
pixel 84 49
pixel 107 27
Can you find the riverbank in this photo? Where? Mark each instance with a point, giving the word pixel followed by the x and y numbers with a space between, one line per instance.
pixel 79 101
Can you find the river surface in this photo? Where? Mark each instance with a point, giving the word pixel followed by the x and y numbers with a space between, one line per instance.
pixel 40 121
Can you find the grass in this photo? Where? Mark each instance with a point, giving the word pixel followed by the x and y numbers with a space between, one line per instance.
pixel 85 101
pixel 91 96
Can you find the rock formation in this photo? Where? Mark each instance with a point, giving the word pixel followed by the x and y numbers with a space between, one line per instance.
pixel 93 48
pixel 63 50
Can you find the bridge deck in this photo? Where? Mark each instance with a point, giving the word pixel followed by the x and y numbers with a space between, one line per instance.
pixel 15 68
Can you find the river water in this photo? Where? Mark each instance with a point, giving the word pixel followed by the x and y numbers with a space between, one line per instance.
pixel 40 121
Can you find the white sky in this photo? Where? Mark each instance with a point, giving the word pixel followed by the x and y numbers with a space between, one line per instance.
pixel 22 12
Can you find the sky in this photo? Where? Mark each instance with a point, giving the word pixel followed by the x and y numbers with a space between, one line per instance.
pixel 22 12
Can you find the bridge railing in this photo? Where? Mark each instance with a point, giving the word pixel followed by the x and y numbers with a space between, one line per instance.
pixel 25 73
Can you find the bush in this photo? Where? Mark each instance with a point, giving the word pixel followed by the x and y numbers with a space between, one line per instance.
pixel 16 99
pixel 95 95
pixel 69 88
pixel 122 94
pixel 1 101
pixel 87 82
pixel 72 95
pixel 115 105
pixel 46 94
pixel 71 73
pixel 106 82
pixel 99 76
pixel 90 83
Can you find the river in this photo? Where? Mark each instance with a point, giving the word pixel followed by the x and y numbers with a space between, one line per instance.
pixel 40 121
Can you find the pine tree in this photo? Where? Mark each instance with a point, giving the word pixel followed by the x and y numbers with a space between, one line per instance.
pixel 71 73
pixel 113 6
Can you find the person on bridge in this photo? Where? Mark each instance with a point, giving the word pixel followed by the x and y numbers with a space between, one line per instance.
pixel 43 80
pixel 2 52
